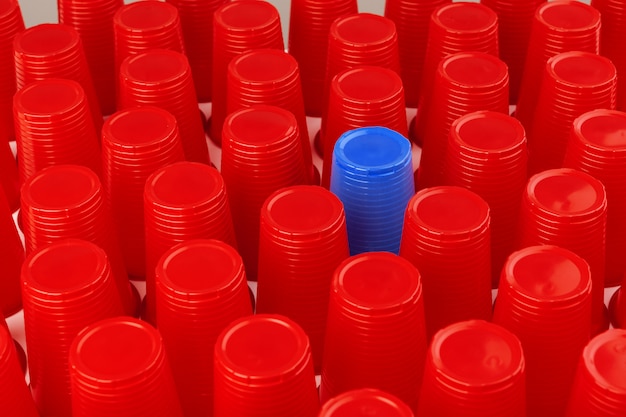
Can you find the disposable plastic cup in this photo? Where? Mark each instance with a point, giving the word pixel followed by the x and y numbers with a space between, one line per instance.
pixel 11 23
pixel 364 401
pixel 15 397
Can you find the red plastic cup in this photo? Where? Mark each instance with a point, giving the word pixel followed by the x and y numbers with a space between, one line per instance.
pixel 9 176
pixel 597 146
pixel 361 97
pixel 66 286
pixel 302 240
pixel 474 369
pixel 119 367
pixel 558 26
pixel 447 237
pixel 93 20
pixel 135 143
pixel 465 83
pixel 574 83
pixel 568 208
pixel 15 397
pixel 261 153
pixel 67 201
pixel 544 298
pixel 309 26
pixel 238 27
pixel 182 201
pixel 53 126
pixel 269 76
pixel 487 154
pixel 600 387
pixel 11 258
pixel 200 289
pixel 263 367
pixel 365 402
pixel 376 334
pixel 162 78
pixel 55 51
pixel 11 23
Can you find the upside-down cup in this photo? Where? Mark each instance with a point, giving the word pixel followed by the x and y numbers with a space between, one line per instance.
pixel 272 77
pixel 446 236
pixel 568 208
pixel 544 298
pixel 475 369
pixel 361 97
pixel 66 286
pixel 599 386
pixel 53 126
pixel 263 367
pixel 11 258
pixel 365 402
pixel 309 26
pixel 261 153
pixel 15 397
pixel 376 334
pixel 465 82
pixel 487 154
pixel 9 176
pixel 11 23
pixel 67 201
pixel 558 26
pixel 162 78
pixel 54 51
pixel 372 174
pixel 597 146
pixel 182 201
pixel 135 143
pixel 238 27
pixel 200 289
pixel 302 240
pixel 93 20
pixel 119 366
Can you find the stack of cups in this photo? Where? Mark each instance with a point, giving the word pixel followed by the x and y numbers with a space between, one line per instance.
pixel 162 78
pixel 53 127
pixel 573 83
pixel 200 289
pixel 486 154
pixel 361 97
pixel 66 286
pixel 597 146
pixel 9 176
pixel 238 27
pixel 600 386
pixel 446 236
pixel 55 51
pixel 376 335
pixel 119 367
pixel 93 20
pixel 465 83
pixel 365 402
pixel 196 18
pixel 182 201
pixel 145 25
pixel 558 26
pixel 11 23
pixel 303 238
pixel 544 298
pixel 568 208
pixel 515 19
pixel 135 143
pixel 11 258
pixel 67 201
pixel 269 76
pixel 309 26
pixel 261 153
pixel 372 174
pixel 474 369
pixel 411 19
pixel 15 397
pixel 454 28
pixel 263 367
